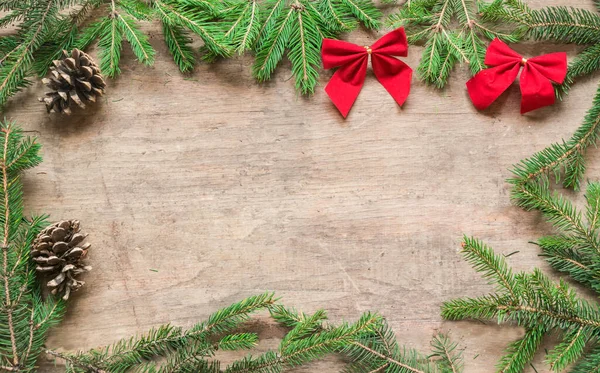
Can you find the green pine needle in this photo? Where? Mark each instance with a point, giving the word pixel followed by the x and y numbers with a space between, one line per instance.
pixel 178 43
pixel 110 44
pixel 25 317
pixel 454 31
pixel 534 302
pixel 137 40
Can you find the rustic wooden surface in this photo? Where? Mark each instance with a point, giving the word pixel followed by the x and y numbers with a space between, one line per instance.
pixel 200 190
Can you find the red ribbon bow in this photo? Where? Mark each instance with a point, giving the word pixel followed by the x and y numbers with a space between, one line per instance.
pixel 535 81
pixel 352 60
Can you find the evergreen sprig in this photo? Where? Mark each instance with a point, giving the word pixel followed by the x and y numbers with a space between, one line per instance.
pixel 268 28
pixel 368 342
pixel 453 32
pixel 532 301
pixel 298 26
pixel 25 317
pixel 564 161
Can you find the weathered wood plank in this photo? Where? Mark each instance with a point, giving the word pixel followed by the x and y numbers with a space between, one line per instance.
pixel 228 188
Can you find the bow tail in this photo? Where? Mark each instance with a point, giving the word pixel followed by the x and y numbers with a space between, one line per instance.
pixel 394 75
pixel 346 83
pixel 487 85
pixel 536 89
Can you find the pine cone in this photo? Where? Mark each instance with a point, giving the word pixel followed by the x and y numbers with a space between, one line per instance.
pixel 75 78
pixel 58 252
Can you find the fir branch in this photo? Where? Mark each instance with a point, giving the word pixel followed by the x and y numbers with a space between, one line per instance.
pixel 541 307
pixel 565 254
pixel 179 45
pixel 74 362
pixel 389 360
pixel 65 38
pixel 271 51
pixel 559 211
pixel 162 341
pixel 568 351
pixel 13 72
pixel 25 317
pixel 308 339
pixel 586 62
pixel 301 351
pixel 494 268
pixel 244 31
pixel 520 352
pixel 365 11
pixel 445 349
pixel 138 41
pixel 590 363
pixel 197 22
pixel 110 45
pixel 564 24
pixel 224 27
pixel 566 156
pixel 449 43
pixel 305 44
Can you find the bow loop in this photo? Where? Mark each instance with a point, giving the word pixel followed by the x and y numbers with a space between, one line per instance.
pixel 499 53
pixel 551 66
pixel 535 81
pixel 352 60
pixel 336 53
pixel 393 44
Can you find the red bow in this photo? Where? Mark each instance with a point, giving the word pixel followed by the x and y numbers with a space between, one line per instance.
pixel 535 81
pixel 352 60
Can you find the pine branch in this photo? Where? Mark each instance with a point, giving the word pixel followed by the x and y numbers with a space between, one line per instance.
pixel 269 28
pixel 443 348
pixel 569 255
pixel 244 30
pixel 25 317
pixel 65 36
pixel 309 338
pixel 587 62
pixel 17 64
pixel 559 211
pixel 590 363
pixel 520 352
pixel 272 49
pixel 364 11
pixel 563 24
pixel 568 351
pixel 305 44
pixel 449 43
pixel 566 156
pixel 166 340
pixel 199 21
pixel 541 307
pixel 110 44
pixel 179 45
pixel 302 351
pixel 138 41
pixel 494 268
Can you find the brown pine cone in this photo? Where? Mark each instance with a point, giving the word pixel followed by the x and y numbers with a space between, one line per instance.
pixel 76 78
pixel 59 251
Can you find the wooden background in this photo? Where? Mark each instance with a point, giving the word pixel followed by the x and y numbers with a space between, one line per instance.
pixel 200 190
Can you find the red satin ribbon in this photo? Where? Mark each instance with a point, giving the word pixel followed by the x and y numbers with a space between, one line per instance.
pixel 352 60
pixel 535 81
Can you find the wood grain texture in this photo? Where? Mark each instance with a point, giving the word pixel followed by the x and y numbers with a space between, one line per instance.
pixel 228 188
